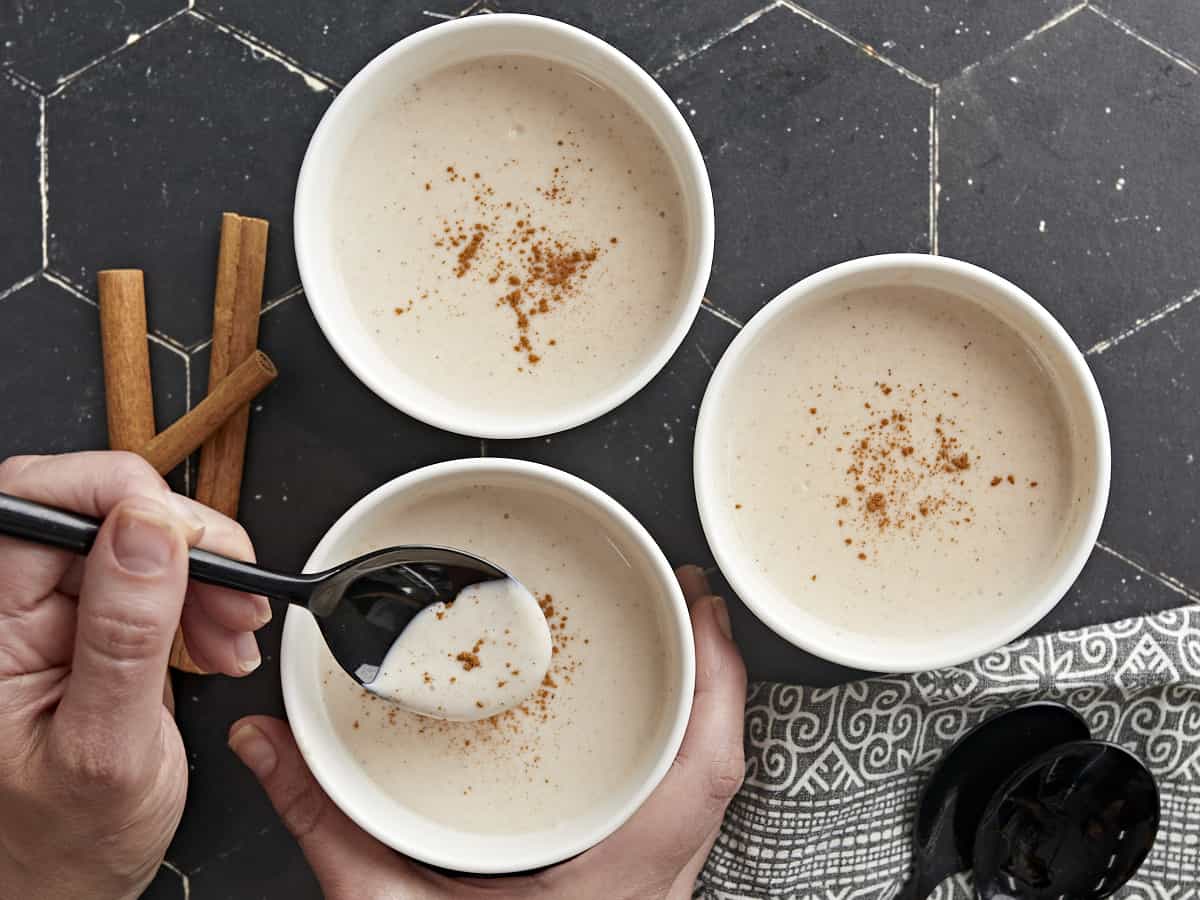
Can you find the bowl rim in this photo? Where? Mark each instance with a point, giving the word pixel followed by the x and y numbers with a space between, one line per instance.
pixel 734 566
pixel 300 706
pixel 328 308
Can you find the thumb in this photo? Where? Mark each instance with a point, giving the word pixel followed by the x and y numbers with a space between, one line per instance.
pixel 130 600
pixel 344 858
pixel 678 823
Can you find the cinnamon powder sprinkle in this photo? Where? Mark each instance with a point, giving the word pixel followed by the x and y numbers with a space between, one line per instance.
pixel 469 660
pixel 543 268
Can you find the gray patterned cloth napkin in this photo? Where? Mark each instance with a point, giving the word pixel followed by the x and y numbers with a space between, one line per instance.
pixel 833 775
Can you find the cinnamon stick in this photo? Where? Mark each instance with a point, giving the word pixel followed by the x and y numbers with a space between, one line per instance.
pixel 171 447
pixel 240 268
pixel 127 390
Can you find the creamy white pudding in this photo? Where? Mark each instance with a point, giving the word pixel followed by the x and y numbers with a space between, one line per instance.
pixel 512 234
pixel 595 723
pixel 898 463
pixel 443 664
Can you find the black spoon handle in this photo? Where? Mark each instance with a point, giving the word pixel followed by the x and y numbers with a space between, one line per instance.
pixel 32 521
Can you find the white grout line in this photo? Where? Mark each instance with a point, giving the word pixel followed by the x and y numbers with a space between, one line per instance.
pixel 316 82
pixel 853 42
pixel 167 343
pixel 1107 344
pixel 44 182
pixel 184 880
pixel 66 284
pixel 725 317
pixel 291 292
pixel 704 356
pixel 1182 61
pixel 130 40
pixel 20 82
pixel 287 295
pixel 12 289
pixel 935 189
pixel 1041 29
pixel 685 55
pixel 1167 581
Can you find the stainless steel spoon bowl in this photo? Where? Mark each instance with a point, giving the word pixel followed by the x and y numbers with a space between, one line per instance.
pixel 360 606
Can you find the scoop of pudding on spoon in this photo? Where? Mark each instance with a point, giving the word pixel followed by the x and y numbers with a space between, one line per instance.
pixel 436 631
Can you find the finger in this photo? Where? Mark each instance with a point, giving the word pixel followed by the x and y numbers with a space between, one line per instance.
pixel 216 532
pixel 38 638
pixel 694 583
pixel 129 607
pixel 87 483
pixel 683 812
pixel 685 882
pixel 215 648
pixel 342 856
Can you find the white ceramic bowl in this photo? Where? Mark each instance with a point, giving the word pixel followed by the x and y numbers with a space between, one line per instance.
pixel 386 817
pixel 1081 401
pixel 436 48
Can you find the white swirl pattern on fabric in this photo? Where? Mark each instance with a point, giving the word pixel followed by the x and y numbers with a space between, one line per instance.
pixel 833 774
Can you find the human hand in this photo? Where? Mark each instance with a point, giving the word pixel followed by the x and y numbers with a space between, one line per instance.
pixel 658 853
pixel 92 768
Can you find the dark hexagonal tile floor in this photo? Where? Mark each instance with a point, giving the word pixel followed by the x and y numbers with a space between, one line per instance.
pixel 650 437
pixel 1169 23
pixel 816 152
pixel 938 40
pixel 48 40
pixel 1052 162
pixel 148 148
pixel 20 174
pixel 50 348
pixel 1150 382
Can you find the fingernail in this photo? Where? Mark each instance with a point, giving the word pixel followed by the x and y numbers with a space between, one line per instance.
pixel 145 539
pixel 246 648
pixel 254 750
pixel 184 510
pixel 262 609
pixel 721 614
pixel 695 581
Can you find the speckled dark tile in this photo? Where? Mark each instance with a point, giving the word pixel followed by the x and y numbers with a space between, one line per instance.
pixel 1173 24
pixel 1151 386
pixel 50 348
pixel 641 453
pixel 333 37
pixel 47 40
pixel 938 40
pixel 20 171
pixel 239 873
pixel 168 884
pixel 319 440
pixel 337 38
pixel 149 147
pixel 1109 589
pixel 654 33
pixel 817 153
pixel 1054 172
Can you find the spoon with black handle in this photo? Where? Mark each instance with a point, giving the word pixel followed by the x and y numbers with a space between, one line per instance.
pixel 956 795
pixel 1074 824
pixel 360 606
